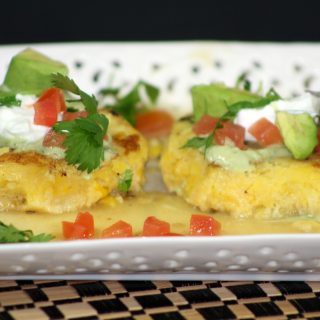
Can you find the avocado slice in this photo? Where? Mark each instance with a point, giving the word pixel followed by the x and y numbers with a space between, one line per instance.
pixel 29 72
pixel 213 99
pixel 299 133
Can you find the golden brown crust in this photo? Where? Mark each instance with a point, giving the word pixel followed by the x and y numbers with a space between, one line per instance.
pixel 129 143
pixel 36 182
pixel 275 188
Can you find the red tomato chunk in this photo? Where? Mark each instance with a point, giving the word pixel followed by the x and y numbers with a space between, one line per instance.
pixel 154 227
pixel 53 139
pixel 71 231
pixel 119 229
pixel 265 132
pixel 205 125
pixel 155 123
pixel 48 106
pixel 82 228
pixel 202 225
pixel 69 116
pixel 229 130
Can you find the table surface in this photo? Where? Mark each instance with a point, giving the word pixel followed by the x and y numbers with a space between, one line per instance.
pixel 158 300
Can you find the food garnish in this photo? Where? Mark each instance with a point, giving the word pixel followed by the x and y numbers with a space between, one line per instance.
pixel 84 135
pixel 154 227
pixel 8 99
pixel 82 228
pixel 48 107
pixel 30 72
pixel 154 123
pixel 243 82
pixel 10 234
pixel 84 140
pixel 130 105
pixel 125 181
pixel 299 133
pixel 120 229
pixel 201 225
pixel 265 132
pixel 65 83
pixel 229 115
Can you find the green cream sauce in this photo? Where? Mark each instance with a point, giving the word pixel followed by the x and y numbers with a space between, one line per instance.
pixel 20 145
pixel 232 158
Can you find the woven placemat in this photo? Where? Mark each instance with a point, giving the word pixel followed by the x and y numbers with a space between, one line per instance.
pixel 158 300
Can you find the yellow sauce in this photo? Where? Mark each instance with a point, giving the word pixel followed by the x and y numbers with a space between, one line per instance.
pixel 164 206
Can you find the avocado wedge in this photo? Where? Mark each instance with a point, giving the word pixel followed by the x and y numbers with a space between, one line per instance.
pixel 29 72
pixel 299 132
pixel 213 99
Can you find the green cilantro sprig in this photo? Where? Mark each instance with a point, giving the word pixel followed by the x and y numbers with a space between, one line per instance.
pixel 9 100
pixel 128 106
pixel 84 140
pixel 65 83
pixel 10 234
pixel 125 181
pixel 233 110
pixel 243 82
pixel 84 136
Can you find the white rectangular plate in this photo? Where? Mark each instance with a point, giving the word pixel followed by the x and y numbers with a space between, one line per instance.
pixel 175 67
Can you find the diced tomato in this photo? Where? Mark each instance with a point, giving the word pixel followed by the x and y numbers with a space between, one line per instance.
pixel 69 116
pixel 53 139
pixel 205 125
pixel 155 123
pixel 202 225
pixel 85 219
pixel 172 234
pixel 82 228
pixel 317 148
pixel 231 131
pixel 72 231
pixel 154 227
pixel 265 132
pixel 48 106
pixel 119 229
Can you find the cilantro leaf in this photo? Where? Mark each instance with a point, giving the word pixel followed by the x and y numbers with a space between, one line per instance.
pixel 195 143
pixel 109 91
pixel 65 83
pixel 71 109
pixel 9 100
pixel 125 181
pixel 152 91
pixel 41 237
pixel 243 82
pixel 234 108
pixel 10 234
pixel 128 106
pixel 84 140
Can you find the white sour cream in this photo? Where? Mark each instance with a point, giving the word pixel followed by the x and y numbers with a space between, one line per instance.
pixel 17 122
pixel 305 103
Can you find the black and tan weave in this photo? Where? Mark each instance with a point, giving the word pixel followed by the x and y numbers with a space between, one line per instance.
pixel 158 300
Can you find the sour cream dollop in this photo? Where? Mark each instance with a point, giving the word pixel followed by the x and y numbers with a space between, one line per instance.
pixel 305 103
pixel 17 122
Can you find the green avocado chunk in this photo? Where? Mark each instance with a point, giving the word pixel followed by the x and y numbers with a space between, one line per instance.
pixel 299 133
pixel 29 72
pixel 213 99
